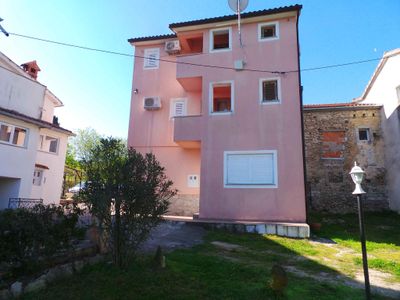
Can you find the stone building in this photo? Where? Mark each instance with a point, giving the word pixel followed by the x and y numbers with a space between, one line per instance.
pixel 336 135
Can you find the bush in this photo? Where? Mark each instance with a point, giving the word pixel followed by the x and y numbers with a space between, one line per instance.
pixel 29 236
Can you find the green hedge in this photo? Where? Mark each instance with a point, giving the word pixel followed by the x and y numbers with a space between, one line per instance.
pixel 30 236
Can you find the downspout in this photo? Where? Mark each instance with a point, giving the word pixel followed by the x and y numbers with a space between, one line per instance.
pixel 301 115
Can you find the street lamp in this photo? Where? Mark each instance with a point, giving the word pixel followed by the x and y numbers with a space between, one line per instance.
pixel 357 174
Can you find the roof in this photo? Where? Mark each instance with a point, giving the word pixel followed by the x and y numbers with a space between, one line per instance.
pixel 247 15
pixel 251 14
pixel 28 119
pixel 382 62
pixel 347 105
pixel 152 38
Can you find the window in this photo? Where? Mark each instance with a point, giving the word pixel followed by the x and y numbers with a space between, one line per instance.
pixel 48 144
pixel 178 108
pixel 268 31
pixel 270 91
pixel 364 134
pixel 221 97
pixel 220 39
pixel 151 58
pixel 250 169
pixel 13 135
pixel 37 177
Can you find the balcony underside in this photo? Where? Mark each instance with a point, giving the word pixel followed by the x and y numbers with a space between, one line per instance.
pixel 189 144
pixel 191 84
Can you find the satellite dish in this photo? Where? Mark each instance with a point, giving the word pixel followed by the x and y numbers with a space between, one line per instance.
pixel 238 5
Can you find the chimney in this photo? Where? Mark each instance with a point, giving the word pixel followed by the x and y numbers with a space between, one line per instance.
pixel 31 68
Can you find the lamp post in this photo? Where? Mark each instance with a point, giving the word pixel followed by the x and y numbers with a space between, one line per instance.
pixel 357 174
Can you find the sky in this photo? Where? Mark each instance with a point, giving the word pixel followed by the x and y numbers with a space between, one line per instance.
pixel 96 87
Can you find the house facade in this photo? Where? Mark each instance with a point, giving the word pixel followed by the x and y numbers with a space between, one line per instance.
pixel 223 115
pixel 384 89
pixel 337 135
pixel 32 144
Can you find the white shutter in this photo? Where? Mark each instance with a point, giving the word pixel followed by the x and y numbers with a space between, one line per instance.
pixel 246 168
pixel 178 108
pixel 151 58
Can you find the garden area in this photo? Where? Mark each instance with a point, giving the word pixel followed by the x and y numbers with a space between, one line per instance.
pixel 238 266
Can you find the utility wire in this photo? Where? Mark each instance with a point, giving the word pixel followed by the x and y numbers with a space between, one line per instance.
pixel 194 64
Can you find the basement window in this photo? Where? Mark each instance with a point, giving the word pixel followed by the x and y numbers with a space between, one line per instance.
pixel 220 39
pixel 270 91
pixel 364 134
pixel 221 97
pixel 268 31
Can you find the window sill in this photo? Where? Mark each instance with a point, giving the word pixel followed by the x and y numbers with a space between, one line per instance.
pixel 12 145
pixel 48 152
pixel 270 102
pixel 268 39
pixel 221 113
pixel 250 186
pixel 220 50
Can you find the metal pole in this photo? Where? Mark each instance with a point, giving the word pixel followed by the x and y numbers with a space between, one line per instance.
pixel 364 248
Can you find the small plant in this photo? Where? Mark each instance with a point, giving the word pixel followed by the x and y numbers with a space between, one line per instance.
pixel 279 280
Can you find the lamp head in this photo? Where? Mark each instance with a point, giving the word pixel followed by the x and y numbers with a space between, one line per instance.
pixel 357 174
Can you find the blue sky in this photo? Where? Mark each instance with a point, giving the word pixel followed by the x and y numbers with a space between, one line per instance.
pixel 96 87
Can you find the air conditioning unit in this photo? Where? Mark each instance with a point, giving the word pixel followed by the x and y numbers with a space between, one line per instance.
pixel 152 103
pixel 172 47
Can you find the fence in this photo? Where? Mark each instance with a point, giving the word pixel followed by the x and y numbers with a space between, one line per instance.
pixel 23 202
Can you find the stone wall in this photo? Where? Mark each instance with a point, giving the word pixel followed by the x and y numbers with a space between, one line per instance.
pixel 333 143
pixel 184 205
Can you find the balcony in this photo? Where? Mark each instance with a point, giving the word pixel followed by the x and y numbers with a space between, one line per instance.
pixel 187 131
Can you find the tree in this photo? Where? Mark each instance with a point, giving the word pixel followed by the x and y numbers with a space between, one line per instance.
pixel 127 192
pixel 84 141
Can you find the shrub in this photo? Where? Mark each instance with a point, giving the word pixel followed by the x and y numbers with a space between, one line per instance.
pixel 29 236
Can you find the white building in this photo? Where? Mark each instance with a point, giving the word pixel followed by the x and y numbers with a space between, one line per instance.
pixel 32 144
pixel 384 89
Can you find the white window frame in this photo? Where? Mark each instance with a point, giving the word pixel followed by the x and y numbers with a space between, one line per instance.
pixel 369 135
pixel 398 94
pixel 38 181
pixel 42 142
pixel 172 107
pixel 12 135
pixel 211 40
pixel 146 60
pixel 211 97
pixel 268 39
pixel 250 186
pixel 261 90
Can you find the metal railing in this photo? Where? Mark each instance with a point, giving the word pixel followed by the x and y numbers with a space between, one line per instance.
pixel 23 202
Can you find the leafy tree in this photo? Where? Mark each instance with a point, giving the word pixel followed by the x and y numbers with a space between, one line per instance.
pixel 127 192
pixel 82 144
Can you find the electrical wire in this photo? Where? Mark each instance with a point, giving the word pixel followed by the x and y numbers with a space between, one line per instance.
pixel 195 64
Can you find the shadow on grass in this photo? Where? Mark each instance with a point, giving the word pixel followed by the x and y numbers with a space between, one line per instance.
pixel 380 227
pixel 209 272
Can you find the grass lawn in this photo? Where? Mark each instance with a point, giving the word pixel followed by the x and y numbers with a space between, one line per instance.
pixel 211 271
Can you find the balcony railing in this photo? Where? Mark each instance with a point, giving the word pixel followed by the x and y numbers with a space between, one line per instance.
pixel 187 131
pixel 23 202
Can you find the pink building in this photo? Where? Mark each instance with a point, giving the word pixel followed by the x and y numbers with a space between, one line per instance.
pixel 223 117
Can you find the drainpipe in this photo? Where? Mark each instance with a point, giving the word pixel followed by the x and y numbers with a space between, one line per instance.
pixel 301 115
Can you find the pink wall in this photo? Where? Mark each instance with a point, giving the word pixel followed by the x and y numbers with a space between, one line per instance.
pixel 251 126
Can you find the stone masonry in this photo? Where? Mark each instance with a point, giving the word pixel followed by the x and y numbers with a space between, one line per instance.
pixel 335 136
pixel 183 205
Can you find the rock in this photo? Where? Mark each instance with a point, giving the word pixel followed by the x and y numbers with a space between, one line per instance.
pixel 78 265
pixel 94 259
pixel 59 272
pixel 36 285
pixel 5 294
pixel 16 289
